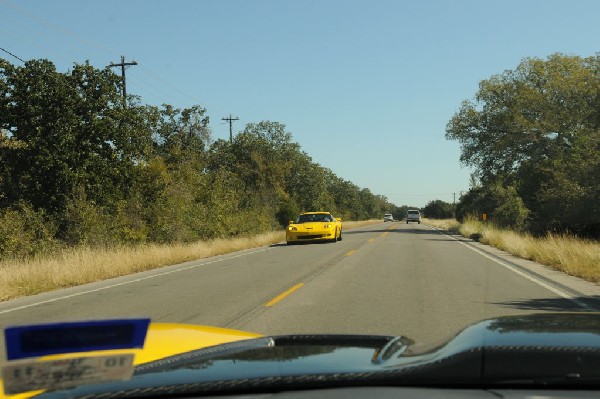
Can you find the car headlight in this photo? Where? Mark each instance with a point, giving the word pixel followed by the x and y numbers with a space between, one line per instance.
pixel 327 226
pixel 292 228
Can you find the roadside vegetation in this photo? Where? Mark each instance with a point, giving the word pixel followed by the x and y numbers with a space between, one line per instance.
pixel 80 265
pixel 94 187
pixel 450 225
pixel 532 137
pixel 80 168
pixel 573 255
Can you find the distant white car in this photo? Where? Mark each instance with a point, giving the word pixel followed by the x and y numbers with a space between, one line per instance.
pixel 413 215
pixel 388 217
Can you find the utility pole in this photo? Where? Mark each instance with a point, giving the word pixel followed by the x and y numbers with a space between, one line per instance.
pixel 123 64
pixel 454 206
pixel 230 120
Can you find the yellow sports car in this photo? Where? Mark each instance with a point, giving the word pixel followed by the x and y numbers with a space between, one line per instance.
pixel 314 226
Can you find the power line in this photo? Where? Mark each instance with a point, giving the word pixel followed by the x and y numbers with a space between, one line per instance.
pixel 165 82
pixel 56 27
pixel 29 42
pixel 8 52
pixel 40 34
pixel 230 120
pixel 153 94
pixel 80 39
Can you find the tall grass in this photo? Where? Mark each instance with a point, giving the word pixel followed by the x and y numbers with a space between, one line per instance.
pixel 75 266
pixel 445 224
pixel 572 255
pixel 80 265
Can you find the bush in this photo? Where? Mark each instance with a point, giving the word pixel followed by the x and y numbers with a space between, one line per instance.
pixel 288 210
pixel 84 223
pixel 25 232
pixel 438 209
pixel 502 205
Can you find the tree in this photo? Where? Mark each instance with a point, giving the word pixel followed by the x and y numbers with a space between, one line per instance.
pixel 438 209
pixel 78 168
pixel 67 134
pixel 307 185
pixel 180 135
pixel 536 129
pixel 530 114
pixel 503 206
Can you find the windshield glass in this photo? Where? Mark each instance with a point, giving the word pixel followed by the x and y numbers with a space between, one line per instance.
pixel 318 217
pixel 165 160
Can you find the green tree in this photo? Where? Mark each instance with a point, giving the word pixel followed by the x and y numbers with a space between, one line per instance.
pixel 68 133
pixel 502 205
pixel 307 185
pixel 536 129
pixel 180 135
pixel 438 209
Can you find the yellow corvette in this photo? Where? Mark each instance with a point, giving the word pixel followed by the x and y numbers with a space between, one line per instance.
pixel 314 226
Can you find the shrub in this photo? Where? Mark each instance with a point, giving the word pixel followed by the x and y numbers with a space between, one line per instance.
pixel 25 232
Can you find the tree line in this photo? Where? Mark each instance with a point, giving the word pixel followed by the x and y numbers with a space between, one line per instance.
pixel 532 136
pixel 79 168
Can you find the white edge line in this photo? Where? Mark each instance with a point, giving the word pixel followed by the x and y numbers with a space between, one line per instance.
pixel 126 282
pixel 520 273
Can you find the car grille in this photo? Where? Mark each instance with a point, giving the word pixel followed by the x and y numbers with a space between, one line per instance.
pixel 310 236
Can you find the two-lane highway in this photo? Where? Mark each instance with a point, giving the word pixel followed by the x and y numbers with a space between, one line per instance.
pixel 394 278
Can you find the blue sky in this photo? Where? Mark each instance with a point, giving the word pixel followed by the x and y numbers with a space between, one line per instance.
pixel 365 87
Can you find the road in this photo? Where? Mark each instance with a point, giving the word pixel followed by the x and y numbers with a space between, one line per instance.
pixel 392 278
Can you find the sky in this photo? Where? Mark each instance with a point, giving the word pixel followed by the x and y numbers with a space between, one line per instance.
pixel 365 87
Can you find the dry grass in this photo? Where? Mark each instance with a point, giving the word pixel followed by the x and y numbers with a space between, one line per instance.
pixel 444 224
pixel 83 265
pixel 78 266
pixel 572 255
pixel 354 224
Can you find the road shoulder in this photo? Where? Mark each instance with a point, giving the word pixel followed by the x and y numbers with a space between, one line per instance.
pixel 577 289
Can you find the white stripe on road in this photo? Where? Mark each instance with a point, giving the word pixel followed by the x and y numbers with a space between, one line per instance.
pixel 522 274
pixel 127 282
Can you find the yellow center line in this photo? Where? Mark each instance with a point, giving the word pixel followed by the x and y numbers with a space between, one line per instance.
pixel 383 234
pixel 350 253
pixel 283 295
pixel 371 239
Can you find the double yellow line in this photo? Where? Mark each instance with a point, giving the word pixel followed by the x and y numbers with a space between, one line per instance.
pixel 294 288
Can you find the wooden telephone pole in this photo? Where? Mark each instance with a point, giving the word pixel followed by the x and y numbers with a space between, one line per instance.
pixel 230 120
pixel 123 64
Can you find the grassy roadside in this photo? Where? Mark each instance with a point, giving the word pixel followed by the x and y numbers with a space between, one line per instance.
pixel 574 256
pixel 78 266
pixel 444 224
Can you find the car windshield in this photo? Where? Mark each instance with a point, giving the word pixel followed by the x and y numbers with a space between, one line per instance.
pixel 165 161
pixel 314 217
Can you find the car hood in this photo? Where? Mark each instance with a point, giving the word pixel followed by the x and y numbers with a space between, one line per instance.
pixel 546 349
pixel 162 340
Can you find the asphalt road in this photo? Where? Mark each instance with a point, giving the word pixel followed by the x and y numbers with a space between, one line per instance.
pixel 393 279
